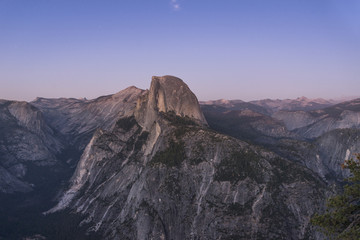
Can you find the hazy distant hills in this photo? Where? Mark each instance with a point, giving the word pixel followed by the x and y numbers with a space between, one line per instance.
pixel 313 123
pixel 228 105
pixel 319 138
pixel 157 164
pixel 301 103
pixel 270 106
pixel 303 117
pixel 261 119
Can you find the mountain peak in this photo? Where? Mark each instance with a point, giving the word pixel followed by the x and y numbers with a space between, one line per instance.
pixel 302 98
pixel 169 94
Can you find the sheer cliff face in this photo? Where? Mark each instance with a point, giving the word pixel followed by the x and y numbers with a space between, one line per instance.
pixel 171 94
pixel 162 174
pixel 168 94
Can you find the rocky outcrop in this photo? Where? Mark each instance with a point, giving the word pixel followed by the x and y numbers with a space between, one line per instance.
pixel 333 147
pixel 294 120
pixel 77 119
pixel 162 174
pixel 323 155
pixel 347 119
pixel 168 94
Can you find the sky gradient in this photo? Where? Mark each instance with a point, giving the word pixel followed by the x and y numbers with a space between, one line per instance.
pixel 232 49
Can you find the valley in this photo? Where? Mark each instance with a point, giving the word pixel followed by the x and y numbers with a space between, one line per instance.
pixel 159 164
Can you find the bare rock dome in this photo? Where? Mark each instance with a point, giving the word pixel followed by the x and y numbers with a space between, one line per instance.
pixel 169 94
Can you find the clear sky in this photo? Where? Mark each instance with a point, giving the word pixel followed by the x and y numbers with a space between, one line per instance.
pixel 232 49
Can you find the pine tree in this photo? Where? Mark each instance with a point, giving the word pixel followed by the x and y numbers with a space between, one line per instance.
pixel 342 217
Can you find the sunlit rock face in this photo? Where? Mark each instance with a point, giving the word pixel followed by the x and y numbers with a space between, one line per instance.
pixel 77 119
pixel 168 94
pixel 162 174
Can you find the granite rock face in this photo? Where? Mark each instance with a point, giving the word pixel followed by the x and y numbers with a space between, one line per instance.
pixel 314 123
pixel 294 120
pixel 330 151
pixel 168 94
pixel 162 174
pixel 77 119
pixel 323 155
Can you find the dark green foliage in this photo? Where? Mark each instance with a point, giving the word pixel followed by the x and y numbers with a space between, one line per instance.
pixel 234 237
pixel 171 185
pixel 173 156
pixel 70 153
pixel 237 209
pixel 21 213
pixel 236 107
pixel 26 221
pixel 141 140
pixel 180 131
pixel 182 124
pixel 198 154
pixel 126 123
pixel 177 120
pixel 229 122
pixel 196 161
pixel 238 166
pixel 342 217
pixel 64 225
pixel 289 171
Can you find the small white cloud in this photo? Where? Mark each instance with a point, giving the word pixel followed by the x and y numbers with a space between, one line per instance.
pixel 175 4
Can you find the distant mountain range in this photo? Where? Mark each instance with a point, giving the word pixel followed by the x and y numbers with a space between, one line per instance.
pixel 271 106
pixel 157 164
pixel 301 135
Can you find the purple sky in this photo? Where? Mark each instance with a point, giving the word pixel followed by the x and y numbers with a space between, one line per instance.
pixel 232 49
